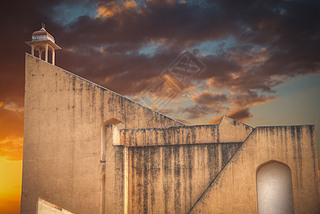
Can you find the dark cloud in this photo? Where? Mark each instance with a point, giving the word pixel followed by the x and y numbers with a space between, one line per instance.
pixel 205 103
pixel 220 67
pixel 200 111
pixel 250 99
pixel 116 71
pixel 176 24
pixel 19 21
pixel 246 82
pixel 240 114
pixel 211 103
pixel 108 47
pixel 196 112
pixel 273 42
pixel 207 98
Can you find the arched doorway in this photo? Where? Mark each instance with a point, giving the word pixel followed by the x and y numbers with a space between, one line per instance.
pixel 274 188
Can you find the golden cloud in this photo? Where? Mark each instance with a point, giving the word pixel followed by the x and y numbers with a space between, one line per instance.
pixel 11 148
pixel 111 9
pixel 108 10
pixel 11 123
pixel 130 4
pixel 11 106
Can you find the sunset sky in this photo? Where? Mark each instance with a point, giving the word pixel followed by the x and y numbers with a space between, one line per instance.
pixel 261 61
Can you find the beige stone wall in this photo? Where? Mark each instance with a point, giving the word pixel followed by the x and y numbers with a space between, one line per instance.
pixel 234 190
pixel 45 207
pixel 75 158
pixel 227 131
pixel 231 130
pixel 169 179
pixel 184 135
pixel 62 137
pixel 169 168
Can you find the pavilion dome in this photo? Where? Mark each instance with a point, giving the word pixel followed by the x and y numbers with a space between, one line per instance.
pixel 42 35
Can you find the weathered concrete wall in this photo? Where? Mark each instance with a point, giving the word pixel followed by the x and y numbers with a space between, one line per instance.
pixel 113 175
pixel 169 136
pixel 228 131
pixel 169 179
pixel 75 158
pixel 234 190
pixel 62 136
pixel 231 130
pixel 169 168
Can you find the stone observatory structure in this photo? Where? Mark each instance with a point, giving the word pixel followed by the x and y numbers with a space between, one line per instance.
pixel 89 150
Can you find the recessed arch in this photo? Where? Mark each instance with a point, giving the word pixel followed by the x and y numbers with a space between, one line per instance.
pixel 116 122
pixel 112 121
pixel 274 188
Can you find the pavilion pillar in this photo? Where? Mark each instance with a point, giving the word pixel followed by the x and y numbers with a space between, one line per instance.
pixel 53 56
pixel 46 53
pixel 40 53
pixel 32 50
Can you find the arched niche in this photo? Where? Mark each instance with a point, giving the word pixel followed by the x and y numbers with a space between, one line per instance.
pixel 113 121
pixel 274 189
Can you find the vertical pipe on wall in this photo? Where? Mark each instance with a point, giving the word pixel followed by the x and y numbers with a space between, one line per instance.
pixel 126 181
pixel 53 56
pixel 32 50
pixel 103 169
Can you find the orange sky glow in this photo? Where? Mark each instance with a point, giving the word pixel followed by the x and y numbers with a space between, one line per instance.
pixel 259 70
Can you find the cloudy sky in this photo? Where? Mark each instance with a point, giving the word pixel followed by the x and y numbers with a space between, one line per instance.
pixel 260 61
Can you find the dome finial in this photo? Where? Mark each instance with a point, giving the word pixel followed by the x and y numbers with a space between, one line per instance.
pixel 43 25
